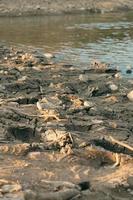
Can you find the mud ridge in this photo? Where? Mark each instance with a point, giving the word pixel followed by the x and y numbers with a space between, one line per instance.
pixel 65 133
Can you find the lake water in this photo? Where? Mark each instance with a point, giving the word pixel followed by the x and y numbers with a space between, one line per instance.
pixel 75 39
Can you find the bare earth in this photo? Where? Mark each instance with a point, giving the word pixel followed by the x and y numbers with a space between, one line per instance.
pixel 40 7
pixel 65 133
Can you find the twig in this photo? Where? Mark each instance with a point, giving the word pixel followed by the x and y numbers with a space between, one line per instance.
pixel 71 138
pixel 121 143
pixel 117 160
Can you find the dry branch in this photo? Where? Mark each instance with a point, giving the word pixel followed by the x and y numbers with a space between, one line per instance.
pixel 121 143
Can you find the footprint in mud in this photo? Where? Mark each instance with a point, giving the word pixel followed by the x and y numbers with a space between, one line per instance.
pixel 22 134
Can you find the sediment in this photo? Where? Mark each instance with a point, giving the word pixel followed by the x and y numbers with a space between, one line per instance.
pixel 57 122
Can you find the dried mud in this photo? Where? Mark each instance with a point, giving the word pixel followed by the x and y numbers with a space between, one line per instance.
pixel 56 128
pixel 46 7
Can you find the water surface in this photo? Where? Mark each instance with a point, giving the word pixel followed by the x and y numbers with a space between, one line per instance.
pixel 75 39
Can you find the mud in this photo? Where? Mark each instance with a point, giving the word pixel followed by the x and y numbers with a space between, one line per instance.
pixel 43 7
pixel 56 128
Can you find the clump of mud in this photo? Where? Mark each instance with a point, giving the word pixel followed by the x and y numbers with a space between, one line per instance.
pixel 65 133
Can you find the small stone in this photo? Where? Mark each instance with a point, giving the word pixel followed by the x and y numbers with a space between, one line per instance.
pixel 131 82
pixel 48 55
pixel 129 70
pixel 118 76
pixel 23 78
pixel 113 87
pixel 88 104
pixel 38 7
pixel 6 72
pixel 83 77
pixel 34 155
pixel 6 58
pixel 130 95
pixel 1 71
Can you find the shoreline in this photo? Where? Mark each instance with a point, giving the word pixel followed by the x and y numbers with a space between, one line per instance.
pixel 68 129
pixel 58 7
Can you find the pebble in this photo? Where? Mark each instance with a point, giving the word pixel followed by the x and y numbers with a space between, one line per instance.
pixel 23 78
pixel 130 95
pixel 3 72
pixel 83 77
pixel 129 70
pixel 88 104
pixel 48 55
pixel 34 155
pixel 118 76
pixel 36 58
pixel 113 87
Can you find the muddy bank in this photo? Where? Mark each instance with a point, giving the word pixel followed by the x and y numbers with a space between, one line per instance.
pixel 65 133
pixel 25 7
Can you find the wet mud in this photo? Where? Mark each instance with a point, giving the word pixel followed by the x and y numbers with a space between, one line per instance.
pixel 65 132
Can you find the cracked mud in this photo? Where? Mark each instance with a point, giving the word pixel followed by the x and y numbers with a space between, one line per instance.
pixel 65 133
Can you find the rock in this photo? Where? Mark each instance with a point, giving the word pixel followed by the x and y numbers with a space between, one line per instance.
pixel 34 155
pixel 129 70
pixel 83 77
pixel 29 194
pixel 113 87
pixel 118 75
pixel 130 95
pixel 48 55
pixel 64 194
pixel 14 196
pixel 39 58
pixel 11 188
pixel 22 79
pixel 49 103
pixel 56 138
pixel 35 58
pixel 99 90
pixel 88 104
pixel 97 65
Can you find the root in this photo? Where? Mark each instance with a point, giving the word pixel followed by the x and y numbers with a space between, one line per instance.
pixel 121 143
pixel 118 160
